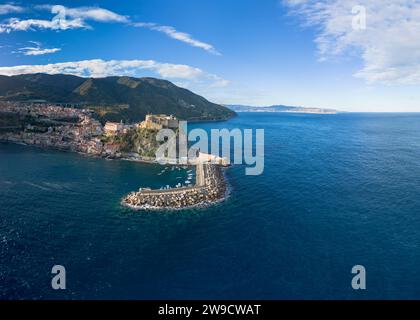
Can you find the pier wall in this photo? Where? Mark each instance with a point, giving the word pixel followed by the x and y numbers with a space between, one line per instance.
pixel 210 187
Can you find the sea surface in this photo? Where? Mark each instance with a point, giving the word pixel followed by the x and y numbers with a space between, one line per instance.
pixel 337 191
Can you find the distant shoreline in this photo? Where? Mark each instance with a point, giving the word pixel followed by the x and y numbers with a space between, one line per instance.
pixel 300 112
pixel 281 109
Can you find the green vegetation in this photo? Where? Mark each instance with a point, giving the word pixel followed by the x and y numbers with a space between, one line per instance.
pixel 7 119
pixel 113 98
pixel 10 122
pixel 142 141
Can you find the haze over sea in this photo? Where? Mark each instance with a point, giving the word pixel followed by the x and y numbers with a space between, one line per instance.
pixel 337 191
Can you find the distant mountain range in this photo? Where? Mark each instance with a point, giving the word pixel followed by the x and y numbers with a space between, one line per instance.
pixel 114 98
pixel 281 108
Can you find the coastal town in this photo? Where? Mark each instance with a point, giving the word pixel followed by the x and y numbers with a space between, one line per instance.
pixel 72 129
pixel 77 130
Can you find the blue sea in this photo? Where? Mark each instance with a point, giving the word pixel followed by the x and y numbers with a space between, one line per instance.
pixel 337 191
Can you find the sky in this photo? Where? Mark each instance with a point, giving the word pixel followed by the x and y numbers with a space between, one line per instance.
pixel 351 55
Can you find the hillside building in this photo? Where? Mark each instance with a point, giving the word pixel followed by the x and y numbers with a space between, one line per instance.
pixel 159 121
pixel 113 128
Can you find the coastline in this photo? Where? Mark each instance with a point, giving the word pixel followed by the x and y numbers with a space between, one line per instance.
pixel 210 191
pixel 76 131
pixel 87 154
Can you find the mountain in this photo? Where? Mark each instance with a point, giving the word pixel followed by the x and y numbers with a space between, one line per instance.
pixel 114 98
pixel 281 108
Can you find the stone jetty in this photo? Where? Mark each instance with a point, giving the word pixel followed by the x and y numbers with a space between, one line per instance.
pixel 210 187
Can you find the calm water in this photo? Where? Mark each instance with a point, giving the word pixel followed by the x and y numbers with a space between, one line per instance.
pixel 337 190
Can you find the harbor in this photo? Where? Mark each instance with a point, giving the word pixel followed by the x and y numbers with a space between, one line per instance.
pixel 210 187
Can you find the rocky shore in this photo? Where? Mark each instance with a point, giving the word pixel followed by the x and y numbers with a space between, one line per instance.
pixel 210 187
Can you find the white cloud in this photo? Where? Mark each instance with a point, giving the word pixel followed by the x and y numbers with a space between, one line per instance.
pixel 64 19
pixel 37 50
pixel 218 82
pixel 75 18
pixel 167 70
pixel 86 13
pixel 100 68
pixel 177 35
pixel 16 24
pixel 9 8
pixel 389 46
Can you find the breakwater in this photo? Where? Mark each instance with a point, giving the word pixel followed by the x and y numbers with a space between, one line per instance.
pixel 210 187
